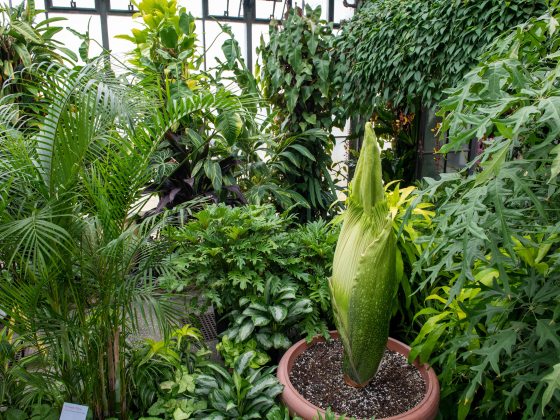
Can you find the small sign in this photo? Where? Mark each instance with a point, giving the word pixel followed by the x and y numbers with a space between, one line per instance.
pixel 73 412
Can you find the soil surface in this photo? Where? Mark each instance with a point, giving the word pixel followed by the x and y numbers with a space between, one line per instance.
pixel 317 375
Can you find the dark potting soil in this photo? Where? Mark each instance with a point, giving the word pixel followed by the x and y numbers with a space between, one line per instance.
pixel 317 375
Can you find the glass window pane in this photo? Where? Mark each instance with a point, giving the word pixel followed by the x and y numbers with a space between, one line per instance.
pixel 266 9
pixel 432 165
pixel 456 161
pixel 122 5
pixel 121 25
pixel 80 4
pixel 341 12
pixel 194 7
pixel 231 8
pixel 80 24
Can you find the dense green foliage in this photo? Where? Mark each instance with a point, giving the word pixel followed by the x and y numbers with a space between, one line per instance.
pixel 161 371
pixel 183 384
pixel 24 41
pixel 268 317
pixel 406 52
pixel 77 269
pixel 230 350
pixel 297 73
pixel 492 260
pixel 477 253
pixel 230 254
pixel 201 155
pixel 411 220
pixel 243 393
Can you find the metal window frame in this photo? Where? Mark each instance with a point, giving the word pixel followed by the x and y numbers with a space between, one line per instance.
pixel 470 151
pixel 103 9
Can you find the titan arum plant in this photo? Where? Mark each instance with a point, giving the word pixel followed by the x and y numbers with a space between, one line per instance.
pixel 363 279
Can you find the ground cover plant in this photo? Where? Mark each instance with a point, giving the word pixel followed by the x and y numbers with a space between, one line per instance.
pixel 492 258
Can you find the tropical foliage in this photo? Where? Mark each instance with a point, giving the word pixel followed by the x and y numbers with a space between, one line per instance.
pixel 238 257
pixel 200 156
pixel 78 269
pixel 467 264
pixel 296 75
pixel 492 260
pixel 406 52
pixel 24 41
pixel 364 269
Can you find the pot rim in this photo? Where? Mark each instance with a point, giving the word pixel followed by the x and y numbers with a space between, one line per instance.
pixel 428 374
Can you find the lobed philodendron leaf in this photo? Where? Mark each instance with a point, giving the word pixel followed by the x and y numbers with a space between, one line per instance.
pixel 363 279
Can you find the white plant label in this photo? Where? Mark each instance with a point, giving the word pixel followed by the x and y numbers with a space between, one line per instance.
pixel 73 412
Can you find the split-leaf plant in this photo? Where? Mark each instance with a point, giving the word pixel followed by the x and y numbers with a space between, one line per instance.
pixel 492 260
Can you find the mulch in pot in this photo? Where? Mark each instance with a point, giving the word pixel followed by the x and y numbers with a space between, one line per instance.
pixel 396 388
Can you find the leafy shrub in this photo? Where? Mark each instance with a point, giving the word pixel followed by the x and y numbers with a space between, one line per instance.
pixel 296 75
pixel 230 253
pixel 493 256
pixel 79 266
pixel 161 372
pixel 201 155
pixel 180 383
pixel 406 52
pixel 24 41
pixel 411 220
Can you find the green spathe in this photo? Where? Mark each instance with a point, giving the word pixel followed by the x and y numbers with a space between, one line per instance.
pixel 363 278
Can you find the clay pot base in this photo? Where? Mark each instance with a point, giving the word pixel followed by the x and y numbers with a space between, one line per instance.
pixel 317 376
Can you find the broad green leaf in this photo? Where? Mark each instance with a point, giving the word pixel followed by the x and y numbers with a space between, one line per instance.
pixel 168 36
pixel 245 330
pixel 186 23
pixel 243 361
pixel 279 313
pixel 280 341
pixel 260 321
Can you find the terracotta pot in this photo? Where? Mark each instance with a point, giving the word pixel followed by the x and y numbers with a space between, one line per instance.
pixel 427 409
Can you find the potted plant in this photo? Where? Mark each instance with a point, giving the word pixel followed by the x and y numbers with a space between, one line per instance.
pixel 362 286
